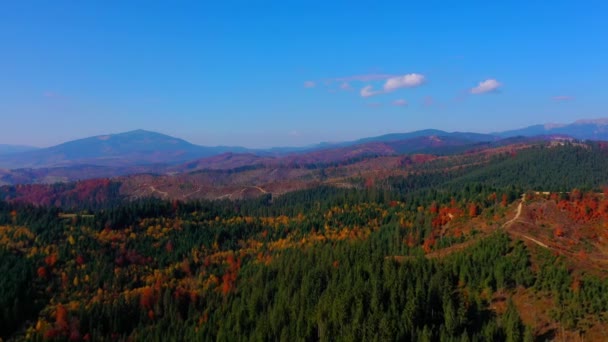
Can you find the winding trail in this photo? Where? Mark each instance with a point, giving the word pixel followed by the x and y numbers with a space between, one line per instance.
pixel 531 239
pixel 240 192
pixel 520 234
pixel 519 207
pixel 166 194
pixel 190 194
pixel 261 190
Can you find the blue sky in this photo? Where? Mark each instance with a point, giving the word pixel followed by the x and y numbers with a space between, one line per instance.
pixel 261 73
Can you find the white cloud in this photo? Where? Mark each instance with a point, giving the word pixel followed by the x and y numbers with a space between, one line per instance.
pixel 400 103
pixel 309 84
pixel 368 91
pixel 405 81
pixel 486 86
pixel 394 83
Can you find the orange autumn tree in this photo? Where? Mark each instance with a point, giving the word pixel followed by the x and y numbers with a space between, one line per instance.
pixel 428 244
pixel 229 278
pixel 505 200
pixel 147 298
pixel 473 210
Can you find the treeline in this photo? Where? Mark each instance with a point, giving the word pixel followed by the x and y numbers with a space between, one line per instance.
pixel 547 168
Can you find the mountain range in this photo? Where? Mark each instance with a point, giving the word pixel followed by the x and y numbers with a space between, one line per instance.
pixel 10 149
pixel 594 129
pixel 143 151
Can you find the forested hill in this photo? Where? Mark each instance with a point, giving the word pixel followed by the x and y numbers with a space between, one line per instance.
pixel 540 167
pixel 443 252
pixel 354 266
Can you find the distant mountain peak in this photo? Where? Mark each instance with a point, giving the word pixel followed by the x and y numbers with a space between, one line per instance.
pixel 550 126
pixel 133 133
pixel 584 129
pixel 137 147
pixel 140 131
pixel 599 122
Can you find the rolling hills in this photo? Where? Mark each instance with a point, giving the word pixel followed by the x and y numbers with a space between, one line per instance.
pixel 144 152
pixel 552 165
pixel 494 240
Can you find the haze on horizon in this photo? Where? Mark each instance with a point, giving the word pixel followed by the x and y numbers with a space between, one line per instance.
pixel 272 74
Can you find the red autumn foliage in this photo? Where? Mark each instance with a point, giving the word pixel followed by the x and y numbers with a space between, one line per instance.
pixel 428 244
pixel 575 195
pixel 226 284
pixel 146 300
pixel 411 240
pixel 64 279
pixel 52 334
pixel 42 273
pixel 582 255
pixel 505 200
pixel 229 278
pixel 93 190
pixel 473 210
pixel 169 246
pixel 51 259
pixel 446 214
pixel 422 158
pixel 131 257
pixel 185 266
pixel 80 259
pixel 457 233
pixel 586 208
pixel 193 296
pixel 61 318
pixel 576 285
